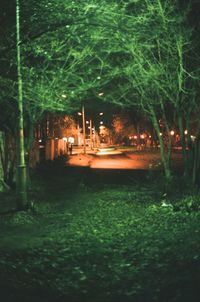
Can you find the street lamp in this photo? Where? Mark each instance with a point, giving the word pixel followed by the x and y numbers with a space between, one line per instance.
pixel 91 140
pixel 83 123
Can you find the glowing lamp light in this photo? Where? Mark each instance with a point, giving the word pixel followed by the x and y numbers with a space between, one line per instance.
pixel 87 122
pixel 101 113
pixel 142 136
pixel 161 134
pixel 172 132
pixel 101 122
pixel 71 140
pixel 100 93
pixel 186 132
pixel 135 136
pixel 79 113
pixel 65 139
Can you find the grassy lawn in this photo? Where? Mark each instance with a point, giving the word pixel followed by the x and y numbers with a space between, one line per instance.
pixel 89 241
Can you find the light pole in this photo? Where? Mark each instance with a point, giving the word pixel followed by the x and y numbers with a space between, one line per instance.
pixel 94 137
pixel 91 139
pixel 83 122
pixel 21 186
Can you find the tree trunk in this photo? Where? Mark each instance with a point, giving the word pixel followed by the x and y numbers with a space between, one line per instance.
pixel 196 158
pixel 29 146
pixel 169 143
pixel 8 158
pixel 3 186
pixel 183 145
pixel 164 159
pixel 196 163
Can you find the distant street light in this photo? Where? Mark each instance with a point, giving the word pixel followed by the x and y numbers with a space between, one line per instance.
pixel 83 124
pixel 91 128
pixel 91 142
pixel 83 121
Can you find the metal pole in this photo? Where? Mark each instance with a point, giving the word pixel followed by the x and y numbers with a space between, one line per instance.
pixel 78 129
pixel 94 138
pixel 21 166
pixel 91 140
pixel 83 121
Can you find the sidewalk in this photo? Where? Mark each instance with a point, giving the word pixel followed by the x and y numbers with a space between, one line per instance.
pixel 79 159
pixel 81 151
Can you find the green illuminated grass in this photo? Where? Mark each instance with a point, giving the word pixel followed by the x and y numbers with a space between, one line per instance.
pixel 86 242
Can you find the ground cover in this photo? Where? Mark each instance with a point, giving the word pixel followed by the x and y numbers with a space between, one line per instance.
pixel 91 241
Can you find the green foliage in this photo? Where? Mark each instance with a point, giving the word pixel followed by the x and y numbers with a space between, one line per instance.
pixel 188 204
pixel 21 218
pixel 103 244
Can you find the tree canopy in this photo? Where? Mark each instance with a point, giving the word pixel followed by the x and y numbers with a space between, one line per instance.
pixel 129 53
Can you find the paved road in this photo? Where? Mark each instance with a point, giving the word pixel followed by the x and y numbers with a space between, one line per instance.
pixel 126 160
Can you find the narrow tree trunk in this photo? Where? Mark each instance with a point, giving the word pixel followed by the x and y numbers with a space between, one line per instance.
pixel 183 145
pixel 21 184
pixel 196 157
pixel 169 143
pixel 29 146
pixel 8 158
pixel 3 185
pixel 190 145
pixel 164 159
pixel 196 163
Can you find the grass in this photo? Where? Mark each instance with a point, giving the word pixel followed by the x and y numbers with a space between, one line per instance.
pixel 89 241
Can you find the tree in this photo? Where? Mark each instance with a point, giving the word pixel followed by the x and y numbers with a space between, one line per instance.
pixel 136 52
pixel 122 129
pixel 154 68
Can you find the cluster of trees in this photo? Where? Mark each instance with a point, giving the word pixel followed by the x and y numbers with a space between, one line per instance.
pixel 143 55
